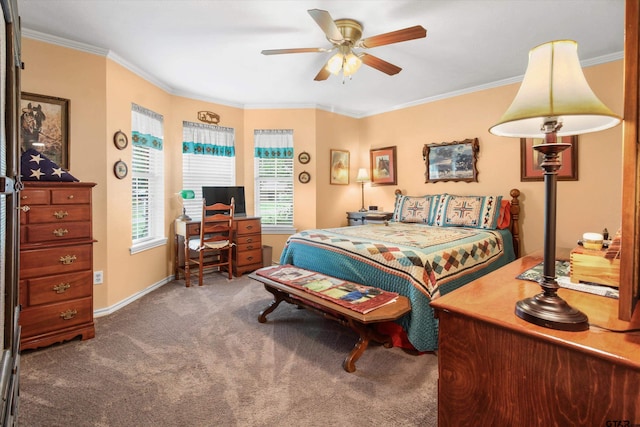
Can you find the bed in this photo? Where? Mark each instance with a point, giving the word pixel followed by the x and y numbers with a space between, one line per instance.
pixel 432 245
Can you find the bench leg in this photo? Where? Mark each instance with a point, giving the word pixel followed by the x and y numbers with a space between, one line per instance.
pixel 367 333
pixel 278 297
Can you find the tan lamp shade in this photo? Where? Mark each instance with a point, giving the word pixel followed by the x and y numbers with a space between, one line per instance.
pixel 554 87
pixel 363 175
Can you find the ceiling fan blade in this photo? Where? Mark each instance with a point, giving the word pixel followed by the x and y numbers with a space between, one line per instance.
pixel 379 64
pixel 410 33
pixel 323 74
pixel 296 50
pixel 325 21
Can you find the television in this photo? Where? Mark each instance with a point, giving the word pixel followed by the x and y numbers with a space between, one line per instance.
pixel 223 195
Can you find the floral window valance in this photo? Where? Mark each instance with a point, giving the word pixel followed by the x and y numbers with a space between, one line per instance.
pixel 273 143
pixel 198 138
pixel 147 128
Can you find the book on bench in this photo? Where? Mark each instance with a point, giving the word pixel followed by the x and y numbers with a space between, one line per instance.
pixel 354 296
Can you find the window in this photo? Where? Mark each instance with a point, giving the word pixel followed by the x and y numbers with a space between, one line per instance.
pixel 208 158
pixel 147 180
pixel 273 167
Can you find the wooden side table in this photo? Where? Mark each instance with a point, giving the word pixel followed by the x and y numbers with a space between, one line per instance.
pixel 496 369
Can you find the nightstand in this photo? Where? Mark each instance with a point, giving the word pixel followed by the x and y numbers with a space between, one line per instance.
pixel 368 217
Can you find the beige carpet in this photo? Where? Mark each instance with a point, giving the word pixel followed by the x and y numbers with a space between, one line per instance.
pixel 198 357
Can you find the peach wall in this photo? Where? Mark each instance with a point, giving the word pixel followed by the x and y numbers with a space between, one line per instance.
pixel 589 204
pixel 101 93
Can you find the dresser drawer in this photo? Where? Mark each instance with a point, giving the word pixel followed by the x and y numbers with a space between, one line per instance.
pixel 59 213
pixel 70 195
pixel 248 226
pixel 35 196
pixel 55 232
pixel 46 318
pixel 248 257
pixel 63 287
pixel 57 260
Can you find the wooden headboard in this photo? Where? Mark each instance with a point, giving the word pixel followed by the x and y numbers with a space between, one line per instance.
pixel 514 226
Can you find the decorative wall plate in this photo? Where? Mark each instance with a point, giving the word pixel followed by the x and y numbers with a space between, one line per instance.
pixel 120 140
pixel 120 169
pixel 304 177
pixel 304 157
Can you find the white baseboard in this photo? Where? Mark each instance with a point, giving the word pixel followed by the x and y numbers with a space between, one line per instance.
pixel 112 309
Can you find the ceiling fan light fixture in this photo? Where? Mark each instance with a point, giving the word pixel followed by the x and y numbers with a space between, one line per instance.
pixel 351 64
pixel 334 65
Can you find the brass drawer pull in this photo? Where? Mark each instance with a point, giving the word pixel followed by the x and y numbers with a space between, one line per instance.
pixel 60 232
pixel 25 208
pixel 69 314
pixel 60 214
pixel 61 288
pixel 249 240
pixel 249 227
pixel 249 258
pixel 68 259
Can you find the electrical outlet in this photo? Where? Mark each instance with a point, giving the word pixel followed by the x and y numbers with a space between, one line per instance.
pixel 97 277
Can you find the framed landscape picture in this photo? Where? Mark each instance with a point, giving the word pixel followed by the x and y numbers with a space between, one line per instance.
pixel 530 160
pixel 383 166
pixel 44 126
pixel 451 161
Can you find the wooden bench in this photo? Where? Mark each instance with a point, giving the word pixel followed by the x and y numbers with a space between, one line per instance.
pixel 360 323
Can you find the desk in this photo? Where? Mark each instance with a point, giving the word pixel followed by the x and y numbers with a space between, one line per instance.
pixel 496 369
pixel 247 236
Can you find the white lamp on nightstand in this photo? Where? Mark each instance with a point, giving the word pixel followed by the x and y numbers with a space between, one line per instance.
pixel 363 176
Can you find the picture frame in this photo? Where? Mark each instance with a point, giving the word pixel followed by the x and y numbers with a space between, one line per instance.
pixel 383 166
pixel 339 167
pixel 304 177
pixel 120 169
pixel 530 160
pixel 304 157
pixel 120 140
pixel 451 161
pixel 44 126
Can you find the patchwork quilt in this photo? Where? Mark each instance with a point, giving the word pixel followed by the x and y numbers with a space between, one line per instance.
pixel 415 260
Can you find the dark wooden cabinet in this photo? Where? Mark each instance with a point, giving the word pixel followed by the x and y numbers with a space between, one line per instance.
pixel 56 263
pixel 496 369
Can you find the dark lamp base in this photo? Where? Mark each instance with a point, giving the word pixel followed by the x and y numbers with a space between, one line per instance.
pixel 551 311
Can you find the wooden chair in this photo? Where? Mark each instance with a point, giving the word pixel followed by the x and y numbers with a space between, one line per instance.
pixel 214 246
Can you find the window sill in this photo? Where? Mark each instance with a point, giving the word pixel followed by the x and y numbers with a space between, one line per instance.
pixel 277 230
pixel 148 244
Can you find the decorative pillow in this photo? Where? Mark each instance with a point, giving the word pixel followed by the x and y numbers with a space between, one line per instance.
pixel 504 218
pixel 468 211
pixel 415 209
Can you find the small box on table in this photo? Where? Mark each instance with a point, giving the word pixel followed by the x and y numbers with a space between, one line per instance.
pixel 594 266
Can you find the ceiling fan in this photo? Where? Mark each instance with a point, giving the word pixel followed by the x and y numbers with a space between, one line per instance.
pixel 345 35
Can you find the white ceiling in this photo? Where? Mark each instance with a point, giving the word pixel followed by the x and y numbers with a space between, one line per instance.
pixel 210 49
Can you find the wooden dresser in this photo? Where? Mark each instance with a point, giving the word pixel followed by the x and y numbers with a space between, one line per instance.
pixel 247 252
pixel 56 263
pixel 496 369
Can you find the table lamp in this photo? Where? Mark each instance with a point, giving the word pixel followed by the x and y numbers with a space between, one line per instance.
pixel 363 176
pixel 553 100
pixel 186 194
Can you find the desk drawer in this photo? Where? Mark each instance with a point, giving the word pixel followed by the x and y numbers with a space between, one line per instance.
pixel 249 257
pixel 47 318
pixel 247 243
pixel 249 226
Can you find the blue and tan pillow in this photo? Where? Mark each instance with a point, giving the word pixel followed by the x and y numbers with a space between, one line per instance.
pixel 415 208
pixel 468 211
